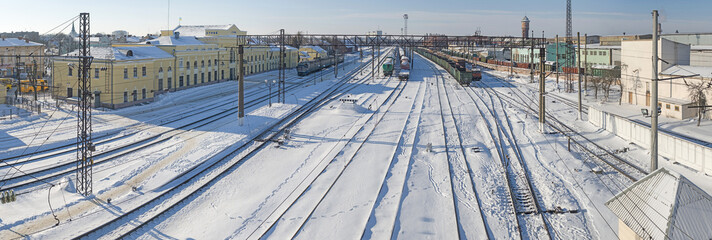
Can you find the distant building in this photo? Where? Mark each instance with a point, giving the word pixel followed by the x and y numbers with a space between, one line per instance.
pixel 312 52
pixel 73 33
pixel 375 33
pixel 663 206
pixel 30 54
pixel 32 36
pixel 616 40
pixel 525 27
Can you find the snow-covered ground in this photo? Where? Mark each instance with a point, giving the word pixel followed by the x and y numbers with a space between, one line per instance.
pixel 418 159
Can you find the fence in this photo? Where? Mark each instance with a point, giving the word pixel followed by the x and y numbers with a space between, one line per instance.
pixel 692 153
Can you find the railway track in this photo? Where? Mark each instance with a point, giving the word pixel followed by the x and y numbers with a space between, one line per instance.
pixel 614 162
pixel 160 121
pixel 123 225
pixel 306 184
pixel 440 78
pixel 59 170
pixel 523 196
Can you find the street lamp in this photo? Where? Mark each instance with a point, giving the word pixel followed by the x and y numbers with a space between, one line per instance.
pixel 270 92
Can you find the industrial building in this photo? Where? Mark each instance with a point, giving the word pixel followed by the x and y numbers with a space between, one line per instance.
pixel 120 76
pixel 674 94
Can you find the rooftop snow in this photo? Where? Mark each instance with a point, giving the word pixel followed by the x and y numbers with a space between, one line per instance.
pixel 16 42
pixel 685 70
pixel 120 53
pixel 172 40
pixel 665 205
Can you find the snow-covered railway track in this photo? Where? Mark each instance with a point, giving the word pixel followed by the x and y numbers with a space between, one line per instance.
pixel 611 161
pixel 523 194
pixel 200 178
pixel 38 153
pixel 55 170
pixel 458 156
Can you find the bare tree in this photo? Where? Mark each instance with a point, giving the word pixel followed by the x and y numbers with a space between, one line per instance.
pixel 698 96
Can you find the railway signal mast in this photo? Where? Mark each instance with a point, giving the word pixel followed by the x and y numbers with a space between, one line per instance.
pixel 85 146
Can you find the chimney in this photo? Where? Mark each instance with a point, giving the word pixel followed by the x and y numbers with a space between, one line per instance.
pixel 176 35
pixel 27 40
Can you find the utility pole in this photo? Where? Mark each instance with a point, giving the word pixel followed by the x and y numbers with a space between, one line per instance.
pixel 511 63
pixel 580 108
pixel 542 89
pixel 373 64
pixel 241 85
pixel 557 61
pixel 336 59
pixel 531 61
pixel 585 63
pixel 654 105
pixel 282 83
pixel 85 147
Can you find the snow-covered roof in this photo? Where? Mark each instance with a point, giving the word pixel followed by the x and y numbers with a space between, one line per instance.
pixel 685 70
pixel 172 40
pixel 133 39
pixel 16 42
pixel 700 47
pixel 121 53
pixel 665 205
pixel 525 19
pixel 601 66
pixel 199 30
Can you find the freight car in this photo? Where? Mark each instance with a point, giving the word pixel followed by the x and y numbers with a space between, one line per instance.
pixel 476 74
pixel 454 65
pixel 308 67
pixel 405 63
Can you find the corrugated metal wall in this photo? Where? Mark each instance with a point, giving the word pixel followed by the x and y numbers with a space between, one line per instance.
pixel 691 154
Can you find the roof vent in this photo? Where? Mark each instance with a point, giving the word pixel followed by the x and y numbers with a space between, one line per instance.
pixel 176 35
pixel 129 53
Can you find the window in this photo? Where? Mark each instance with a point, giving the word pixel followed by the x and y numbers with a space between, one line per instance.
pixel 160 84
pixel 135 72
pixel 187 66
pixel 143 71
pixel 96 73
pixel 126 73
pixel 170 83
pixel 216 62
pixel 603 53
pixel 208 76
pixel 69 72
pixel 195 64
pixel 187 79
pixel 215 74
pixel 160 69
pixel 195 79
pixel 180 81
pixel 202 77
pixel 208 63
pixel 202 63
pixel 222 74
pixel 69 92
pixel 126 96
pixel 143 93
pixel 180 63
pixel 135 95
pixel 677 108
pixel 169 69
pixel 667 106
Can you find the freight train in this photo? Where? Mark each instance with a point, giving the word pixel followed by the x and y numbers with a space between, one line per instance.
pixel 306 68
pixel 456 66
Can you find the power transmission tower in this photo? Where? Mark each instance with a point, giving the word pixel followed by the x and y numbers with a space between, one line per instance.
pixel 85 147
